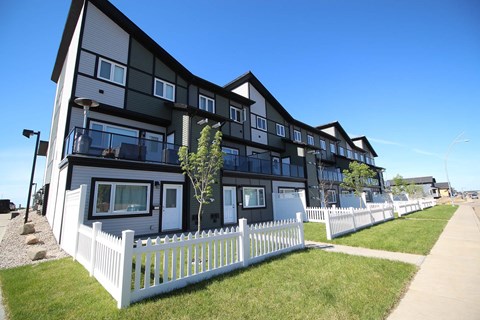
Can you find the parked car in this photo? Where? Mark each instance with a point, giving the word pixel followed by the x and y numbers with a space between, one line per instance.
pixel 474 195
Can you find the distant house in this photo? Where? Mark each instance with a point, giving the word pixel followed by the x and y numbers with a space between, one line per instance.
pixel 427 183
pixel 443 189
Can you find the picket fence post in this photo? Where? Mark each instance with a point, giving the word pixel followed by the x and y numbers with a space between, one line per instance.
pixel 383 211
pixel 300 229
pixel 125 275
pixel 244 242
pixel 327 224
pixel 97 226
pixel 352 212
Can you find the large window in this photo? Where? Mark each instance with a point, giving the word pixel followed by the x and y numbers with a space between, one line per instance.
pixel 235 114
pixel 323 145
pixel 207 104
pixel 331 196
pixel 349 154
pixel 230 158
pixel 102 138
pixel 341 151
pixel 310 140
pixel 121 198
pixel 280 130
pixel 111 71
pixel 253 197
pixel 333 148
pixel 164 90
pixel 297 136
pixel 262 123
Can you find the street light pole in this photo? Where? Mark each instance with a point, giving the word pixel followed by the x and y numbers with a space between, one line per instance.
pixel 455 141
pixel 28 133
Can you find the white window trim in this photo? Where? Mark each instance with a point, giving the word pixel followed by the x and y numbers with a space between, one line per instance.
pixel 104 125
pixel 164 84
pixel 111 211
pixel 295 138
pixel 112 71
pixel 310 139
pixel 280 129
pixel 207 99
pixel 261 120
pixel 257 189
pixel 239 114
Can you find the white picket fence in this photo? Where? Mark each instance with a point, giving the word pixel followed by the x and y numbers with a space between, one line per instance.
pixel 341 221
pixel 163 264
pixel 315 214
pixel 407 207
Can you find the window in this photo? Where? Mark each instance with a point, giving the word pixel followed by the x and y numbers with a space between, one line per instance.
pixel 331 196
pixel 236 114
pixel 362 158
pixel 230 158
pixel 253 197
pixel 323 145
pixel 310 140
pixel 349 153
pixel 121 198
pixel 297 136
pixel 207 104
pixel 333 149
pixel 355 155
pixel 341 151
pixel 164 90
pixel 109 136
pixel 111 71
pixel 280 130
pixel 286 190
pixel 262 123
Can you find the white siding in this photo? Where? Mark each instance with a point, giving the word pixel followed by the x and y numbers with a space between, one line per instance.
pixel 103 36
pixel 259 107
pixel 330 131
pixel 76 120
pixel 259 136
pixel 87 63
pixel 57 205
pixel 141 225
pixel 112 95
pixel 242 90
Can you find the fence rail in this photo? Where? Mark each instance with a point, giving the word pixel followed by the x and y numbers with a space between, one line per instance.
pixel 407 207
pixel 315 214
pixel 134 270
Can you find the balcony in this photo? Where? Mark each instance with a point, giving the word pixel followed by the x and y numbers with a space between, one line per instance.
pixel 331 175
pixel 101 144
pixel 261 166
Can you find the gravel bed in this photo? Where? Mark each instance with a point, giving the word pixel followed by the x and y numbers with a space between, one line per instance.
pixel 13 250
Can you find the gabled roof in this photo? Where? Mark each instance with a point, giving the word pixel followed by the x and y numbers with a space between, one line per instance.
pixel 125 23
pixel 251 78
pixel 417 180
pixel 339 127
pixel 442 185
pixel 365 140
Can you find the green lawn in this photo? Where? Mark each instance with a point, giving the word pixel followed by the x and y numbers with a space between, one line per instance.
pixel 309 284
pixel 399 235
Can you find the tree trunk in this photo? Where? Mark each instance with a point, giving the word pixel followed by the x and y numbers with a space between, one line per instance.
pixel 199 216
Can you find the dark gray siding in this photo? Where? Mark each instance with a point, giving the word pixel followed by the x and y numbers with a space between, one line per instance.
pixel 140 81
pixel 140 57
pixel 164 72
pixel 149 105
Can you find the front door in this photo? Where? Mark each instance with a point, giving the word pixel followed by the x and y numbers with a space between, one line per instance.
pixel 172 207
pixel 229 205
pixel 154 146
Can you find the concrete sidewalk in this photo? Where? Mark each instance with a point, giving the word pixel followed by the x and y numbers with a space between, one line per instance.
pixel 357 251
pixel 447 286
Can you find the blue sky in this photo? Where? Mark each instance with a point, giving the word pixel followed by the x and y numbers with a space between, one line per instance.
pixel 406 74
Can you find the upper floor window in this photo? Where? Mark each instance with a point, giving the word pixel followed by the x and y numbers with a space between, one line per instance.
pixel 207 104
pixel 341 151
pixel 333 148
pixel 297 136
pixel 323 145
pixel 164 90
pixel 310 140
pixel 106 135
pixel 355 155
pixel 349 154
pixel 362 158
pixel 111 71
pixel 235 114
pixel 280 130
pixel 262 123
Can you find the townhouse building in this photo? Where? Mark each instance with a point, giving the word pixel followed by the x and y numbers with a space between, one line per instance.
pixel 125 149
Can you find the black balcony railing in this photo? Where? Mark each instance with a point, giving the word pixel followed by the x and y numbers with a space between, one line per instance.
pixel 261 166
pixel 331 175
pixel 103 144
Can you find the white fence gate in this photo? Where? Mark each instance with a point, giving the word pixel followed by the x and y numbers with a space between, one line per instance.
pixel 285 205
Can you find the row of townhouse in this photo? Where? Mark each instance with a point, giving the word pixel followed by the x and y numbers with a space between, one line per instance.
pixel 125 150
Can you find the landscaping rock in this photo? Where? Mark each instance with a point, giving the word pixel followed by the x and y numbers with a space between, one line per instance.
pixel 36 253
pixel 27 228
pixel 31 239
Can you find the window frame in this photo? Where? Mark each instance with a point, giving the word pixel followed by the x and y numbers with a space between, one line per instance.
pixel 112 73
pixel 200 96
pixel 261 119
pixel 310 137
pixel 92 214
pixel 282 129
pixel 333 148
pixel 295 132
pixel 334 192
pixel 264 205
pixel 164 84
pixel 323 144
pixel 104 129
pixel 238 112
pixel 341 151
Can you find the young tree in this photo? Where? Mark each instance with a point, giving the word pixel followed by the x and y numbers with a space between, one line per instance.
pixel 399 185
pixel 356 177
pixel 414 191
pixel 202 166
pixel 323 184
